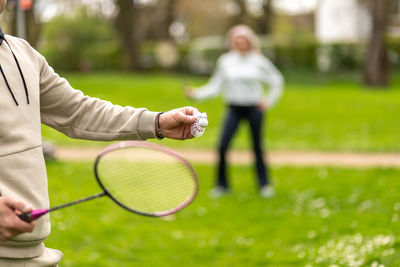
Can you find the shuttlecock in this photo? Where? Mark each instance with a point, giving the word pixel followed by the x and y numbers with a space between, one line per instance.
pixel 198 127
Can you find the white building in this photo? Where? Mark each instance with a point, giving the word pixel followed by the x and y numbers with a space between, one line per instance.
pixel 338 21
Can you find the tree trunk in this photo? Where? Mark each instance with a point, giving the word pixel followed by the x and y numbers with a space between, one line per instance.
pixel 33 27
pixel 125 24
pixel 242 17
pixel 169 19
pixel 377 66
pixel 266 20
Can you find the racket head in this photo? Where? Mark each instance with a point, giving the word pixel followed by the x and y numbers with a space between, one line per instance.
pixel 146 178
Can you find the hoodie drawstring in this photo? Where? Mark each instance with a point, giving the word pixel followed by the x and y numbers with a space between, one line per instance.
pixel 19 69
pixel 20 72
pixel 8 86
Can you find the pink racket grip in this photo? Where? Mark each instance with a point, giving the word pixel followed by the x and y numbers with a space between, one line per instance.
pixel 33 215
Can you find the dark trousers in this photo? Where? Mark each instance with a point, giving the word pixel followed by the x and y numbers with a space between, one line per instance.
pixel 255 118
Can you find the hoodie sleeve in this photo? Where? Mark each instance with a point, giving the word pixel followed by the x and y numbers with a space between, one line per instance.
pixel 76 115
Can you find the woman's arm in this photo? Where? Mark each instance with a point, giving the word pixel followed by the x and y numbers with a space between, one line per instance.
pixel 274 79
pixel 213 87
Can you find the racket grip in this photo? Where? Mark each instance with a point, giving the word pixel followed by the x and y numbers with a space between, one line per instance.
pixel 33 215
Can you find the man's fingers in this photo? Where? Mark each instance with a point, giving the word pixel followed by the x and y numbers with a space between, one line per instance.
pixel 185 118
pixel 10 224
pixel 21 226
pixel 18 227
pixel 16 205
pixel 182 115
pixel 18 208
pixel 188 134
pixel 190 110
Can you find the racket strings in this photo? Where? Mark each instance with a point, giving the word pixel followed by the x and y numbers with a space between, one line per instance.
pixel 146 180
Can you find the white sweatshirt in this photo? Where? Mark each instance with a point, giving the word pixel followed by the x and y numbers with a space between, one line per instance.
pixel 240 77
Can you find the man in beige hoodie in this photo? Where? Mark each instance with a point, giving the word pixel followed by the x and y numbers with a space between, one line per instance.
pixel 31 93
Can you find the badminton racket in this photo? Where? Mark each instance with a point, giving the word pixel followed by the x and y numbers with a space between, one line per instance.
pixel 142 177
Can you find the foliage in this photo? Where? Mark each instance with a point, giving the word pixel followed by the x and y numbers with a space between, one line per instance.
pixel 302 55
pixel 81 42
pixel 394 51
pixel 86 42
pixel 317 111
pixel 308 55
pixel 319 217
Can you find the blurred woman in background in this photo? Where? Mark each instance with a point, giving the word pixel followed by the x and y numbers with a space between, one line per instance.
pixel 240 75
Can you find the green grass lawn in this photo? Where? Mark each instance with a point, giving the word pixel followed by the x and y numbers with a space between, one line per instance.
pixel 317 111
pixel 319 217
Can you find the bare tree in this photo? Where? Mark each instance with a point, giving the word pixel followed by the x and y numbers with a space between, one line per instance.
pixel 204 17
pixel 377 66
pixel 242 16
pixel 266 20
pixel 168 18
pixel 156 19
pixel 126 26
pixel 33 26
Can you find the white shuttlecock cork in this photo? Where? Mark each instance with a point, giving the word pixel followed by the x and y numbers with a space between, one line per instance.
pixel 199 126
pixel 203 122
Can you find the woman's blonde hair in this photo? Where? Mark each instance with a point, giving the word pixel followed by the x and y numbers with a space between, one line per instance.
pixel 244 31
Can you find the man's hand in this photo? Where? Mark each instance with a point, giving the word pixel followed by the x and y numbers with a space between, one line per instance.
pixel 10 224
pixel 176 123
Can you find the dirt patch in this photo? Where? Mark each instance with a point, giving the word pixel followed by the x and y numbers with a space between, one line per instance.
pixel 356 160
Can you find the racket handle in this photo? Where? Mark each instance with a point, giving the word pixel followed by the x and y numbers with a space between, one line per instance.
pixel 33 215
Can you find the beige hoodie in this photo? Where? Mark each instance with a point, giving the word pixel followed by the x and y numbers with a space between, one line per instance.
pixel 47 99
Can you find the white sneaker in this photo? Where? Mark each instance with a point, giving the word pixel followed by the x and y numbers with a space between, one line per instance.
pixel 267 191
pixel 217 192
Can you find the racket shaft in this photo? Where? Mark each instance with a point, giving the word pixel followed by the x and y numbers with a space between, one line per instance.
pixel 36 214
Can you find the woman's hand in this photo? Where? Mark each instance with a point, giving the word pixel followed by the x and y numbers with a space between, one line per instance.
pixel 10 224
pixel 262 106
pixel 188 91
pixel 175 124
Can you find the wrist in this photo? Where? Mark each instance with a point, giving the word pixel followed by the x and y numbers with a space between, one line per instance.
pixel 159 133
